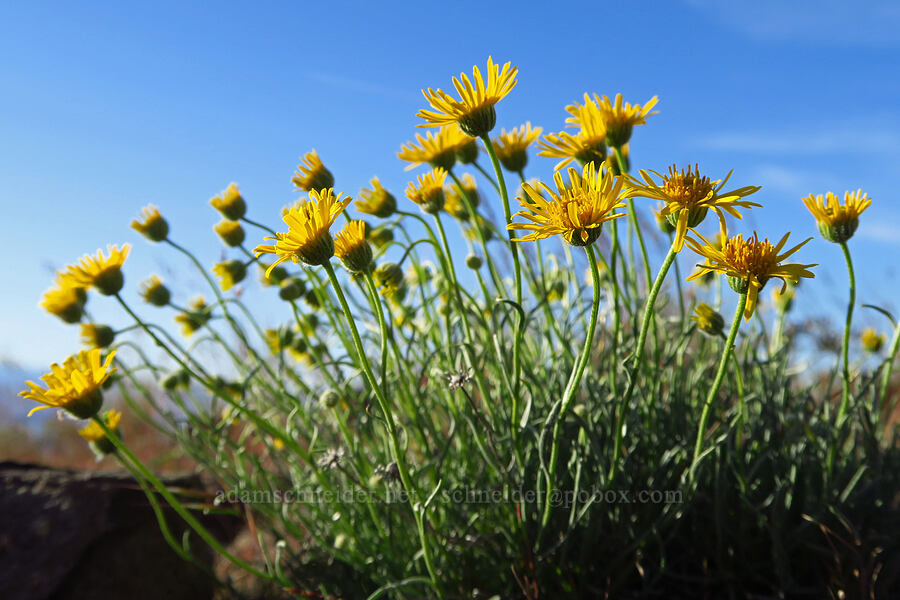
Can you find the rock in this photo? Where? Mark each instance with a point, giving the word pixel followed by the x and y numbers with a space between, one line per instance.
pixel 67 535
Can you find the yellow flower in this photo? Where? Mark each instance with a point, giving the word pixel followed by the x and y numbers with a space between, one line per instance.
pixel 474 111
pixel 454 203
pixel 511 148
pixel 230 203
pixel 97 336
pixel 389 281
pixel 577 212
pixel 748 264
pixel 66 300
pixel 154 292
pixel 230 272
pixel 662 221
pixel 74 386
pixel 708 320
pixel 689 196
pixel 783 298
pixel 428 191
pixel 103 273
pixel 151 224
pixel 437 150
pixel 872 341
pixel 837 222
pixel 583 147
pixel 377 201
pixel 231 232
pixel 94 434
pixel 620 119
pixel 311 174
pixel 195 317
pixel 308 238
pixel 351 247
pixel 588 118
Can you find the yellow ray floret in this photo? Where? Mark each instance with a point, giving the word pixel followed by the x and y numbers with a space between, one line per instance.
pixel 308 238
pixel 837 222
pixel 829 210
pixel 105 274
pixel 749 264
pixel 474 111
pixel 438 150
pixel 688 196
pixel 583 146
pixel 620 118
pixel 576 211
pixel 428 190
pixel 74 386
pixel 511 147
pixel 311 173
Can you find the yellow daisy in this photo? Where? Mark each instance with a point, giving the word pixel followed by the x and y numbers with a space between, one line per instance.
pixel 377 202
pixel 351 247
pixel 428 191
pixel 583 147
pixel 151 224
pixel 311 173
pixel 66 300
pixel 454 203
pixel 103 273
pixel 474 111
pixel 708 320
pixel 97 336
pixel 511 148
pixel 688 197
pixel 748 264
pixel 230 203
pixel 230 273
pixel 576 211
pixel 231 232
pixel 196 316
pixel 872 341
pixel 154 292
pixel 308 238
pixel 437 150
pixel 620 119
pixel 95 435
pixel 837 222
pixel 74 386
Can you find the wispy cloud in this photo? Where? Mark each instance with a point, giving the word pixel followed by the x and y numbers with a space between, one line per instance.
pixel 352 84
pixel 791 182
pixel 883 232
pixel 841 138
pixel 820 22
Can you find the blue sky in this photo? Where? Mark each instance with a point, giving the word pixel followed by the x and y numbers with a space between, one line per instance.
pixel 105 107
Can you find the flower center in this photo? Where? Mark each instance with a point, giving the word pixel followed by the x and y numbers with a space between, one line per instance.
pixel 750 257
pixel 687 188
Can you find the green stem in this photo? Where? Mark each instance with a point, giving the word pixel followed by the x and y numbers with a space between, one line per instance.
pixel 720 375
pixel 506 211
pixel 572 385
pixel 259 225
pixel 638 357
pixel 498 281
pixel 889 367
pixel 399 458
pixel 845 346
pixel 129 457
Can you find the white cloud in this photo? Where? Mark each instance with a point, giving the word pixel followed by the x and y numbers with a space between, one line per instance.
pixel 828 139
pixel 884 232
pixel 821 22
pixel 358 85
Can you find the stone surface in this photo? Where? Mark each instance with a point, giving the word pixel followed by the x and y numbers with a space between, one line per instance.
pixel 82 535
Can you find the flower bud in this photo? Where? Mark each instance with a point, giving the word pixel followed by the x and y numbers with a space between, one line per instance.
pixel 231 232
